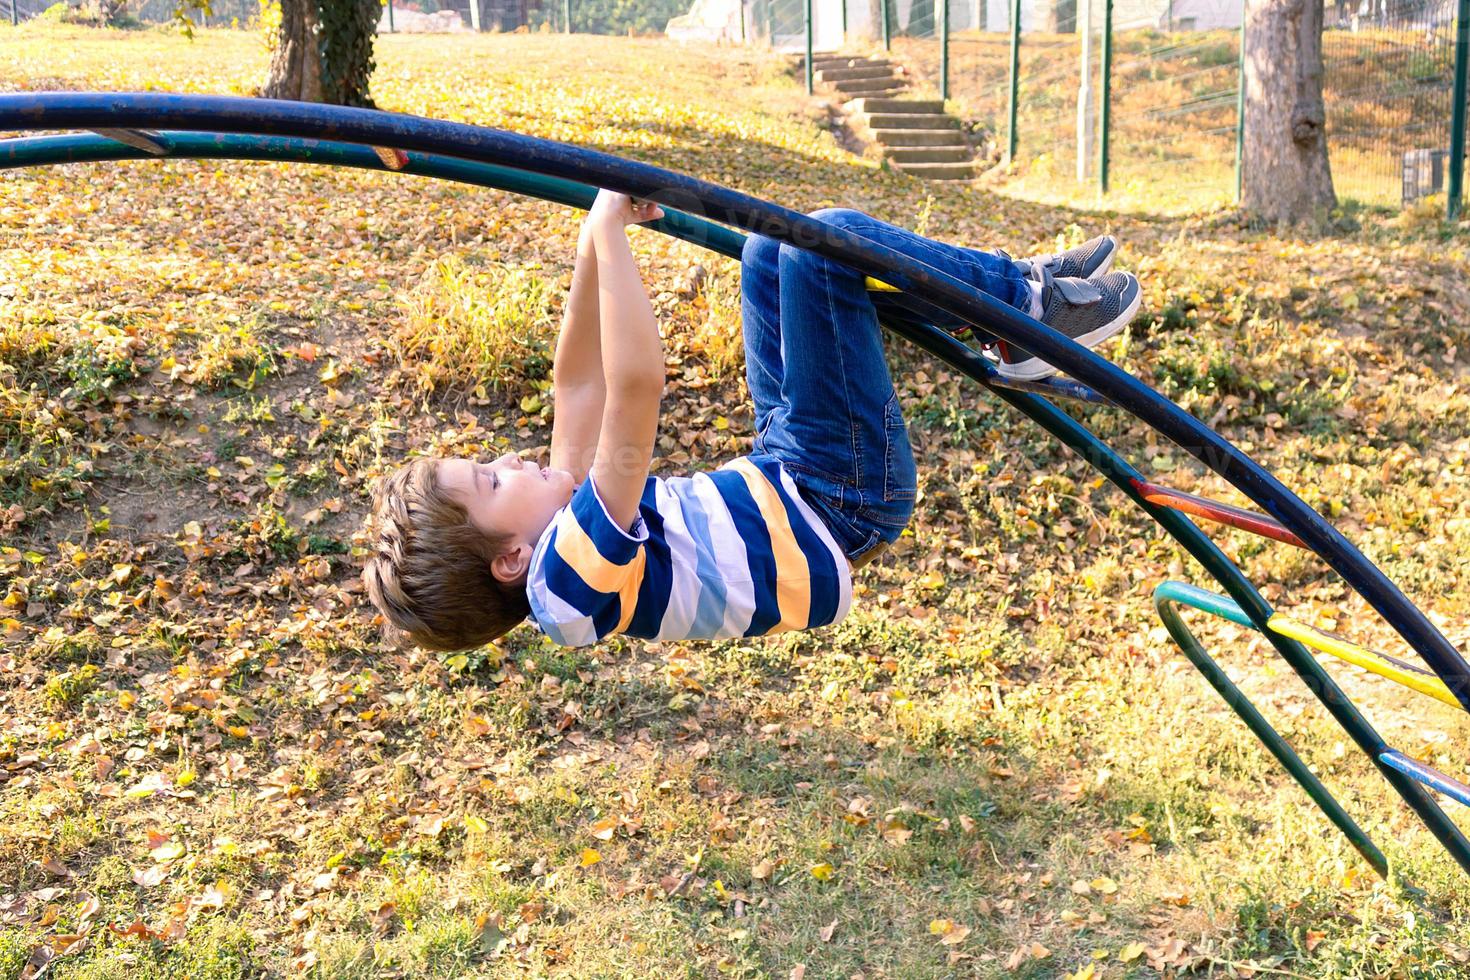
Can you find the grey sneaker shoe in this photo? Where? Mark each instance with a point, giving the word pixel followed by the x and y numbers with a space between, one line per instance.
pixel 1088 311
pixel 1091 258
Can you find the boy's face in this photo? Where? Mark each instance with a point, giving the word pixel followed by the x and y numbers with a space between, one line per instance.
pixel 507 496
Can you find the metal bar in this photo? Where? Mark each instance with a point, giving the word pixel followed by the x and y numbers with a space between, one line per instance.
pixel 887 28
pixel 808 13
pixel 843 5
pixel 1240 117
pixel 1220 513
pixel 1433 778
pixel 1184 594
pixel 1457 112
pixel 1106 112
pixel 80 110
pixel 475 15
pixel 1015 93
pixel 425 136
pixel 391 28
pixel 566 18
pixel 1261 728
pixel 1406 674
pixel 1052 388
pixel 943 49
pixel 1391 668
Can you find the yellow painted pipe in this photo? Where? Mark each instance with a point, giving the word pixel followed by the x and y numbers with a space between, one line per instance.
pixel 1381 664
pixel 878 285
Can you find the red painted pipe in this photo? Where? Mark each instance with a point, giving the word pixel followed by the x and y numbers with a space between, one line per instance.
pixel 1214 510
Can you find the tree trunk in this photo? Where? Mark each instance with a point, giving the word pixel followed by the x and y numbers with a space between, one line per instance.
pixel 324 51
pixel 1286 174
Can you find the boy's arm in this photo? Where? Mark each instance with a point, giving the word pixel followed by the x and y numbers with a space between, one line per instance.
pixel 577 370
pixel 632 360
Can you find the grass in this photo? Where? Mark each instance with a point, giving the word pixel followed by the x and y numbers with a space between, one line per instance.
pixel 998 766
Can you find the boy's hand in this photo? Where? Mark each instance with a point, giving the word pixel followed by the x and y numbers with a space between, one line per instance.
pixel 620 210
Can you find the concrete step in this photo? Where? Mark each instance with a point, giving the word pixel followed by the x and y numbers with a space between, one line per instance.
pixel 919 137
pixel 865 86
pixel 909 120
pixel 877 105
pixel 822 64
pixel 939 171
pixel 939 154
pixel 845 74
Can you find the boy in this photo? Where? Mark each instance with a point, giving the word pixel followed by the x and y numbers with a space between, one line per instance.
pixel 592 545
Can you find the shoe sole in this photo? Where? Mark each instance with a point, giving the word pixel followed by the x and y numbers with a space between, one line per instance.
pixel 1035 369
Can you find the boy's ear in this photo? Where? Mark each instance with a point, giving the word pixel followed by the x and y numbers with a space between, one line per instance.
pixel 511 566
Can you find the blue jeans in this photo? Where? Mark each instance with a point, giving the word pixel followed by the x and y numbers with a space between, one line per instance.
pixel 825 406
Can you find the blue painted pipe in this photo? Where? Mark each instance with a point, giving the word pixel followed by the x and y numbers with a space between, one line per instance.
pixel 90 110
pixel 1427 775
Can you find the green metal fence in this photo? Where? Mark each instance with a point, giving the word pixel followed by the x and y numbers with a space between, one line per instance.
pixel 1165 76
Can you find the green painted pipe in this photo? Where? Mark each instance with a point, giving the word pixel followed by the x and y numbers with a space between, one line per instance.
pixel 944 49
pixel 1167 598
pixel 1015 93
pixel 808 12
pixel 1455 191
pixel 1105 116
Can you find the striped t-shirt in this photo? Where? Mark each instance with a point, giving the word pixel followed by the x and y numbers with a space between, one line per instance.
pixel 735 552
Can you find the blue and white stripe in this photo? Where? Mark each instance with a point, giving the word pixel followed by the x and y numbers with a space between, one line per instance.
pixel 735 552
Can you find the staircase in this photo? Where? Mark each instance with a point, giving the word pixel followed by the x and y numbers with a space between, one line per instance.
pixel 916 135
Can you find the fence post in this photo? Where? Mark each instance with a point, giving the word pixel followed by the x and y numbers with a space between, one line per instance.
pixel 566 16
pixel 1240 118
pixel 943 49
pixel 15 13
pixel 808 7
pixel 1456 188
pixel 475 14
pixel 844 21
pixel 391 28
pixel 887 31
pixel 1084 97
pixel 1015 80
pixel 742 21
pixel 1107 97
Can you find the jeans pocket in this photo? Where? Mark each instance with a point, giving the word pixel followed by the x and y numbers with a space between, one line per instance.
pixel 900 475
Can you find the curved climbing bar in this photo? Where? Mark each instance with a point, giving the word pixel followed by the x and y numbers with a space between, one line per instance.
pixel 92 110
pixel 369 139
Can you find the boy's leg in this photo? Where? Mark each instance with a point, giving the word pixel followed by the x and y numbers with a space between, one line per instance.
pixel 837 424
pixel 760 317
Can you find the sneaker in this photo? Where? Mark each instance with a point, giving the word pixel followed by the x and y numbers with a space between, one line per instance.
pixel 1088 311
pixel 1091 258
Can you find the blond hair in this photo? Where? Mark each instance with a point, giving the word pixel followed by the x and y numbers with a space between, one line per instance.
pixel 430 572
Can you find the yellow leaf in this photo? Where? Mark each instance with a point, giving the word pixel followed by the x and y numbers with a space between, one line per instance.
pixel 823 871
pixel 476 825
pixel 167 852
pixel 1133 951
pixel 605 828
pixel 1088 972
pixel 589 857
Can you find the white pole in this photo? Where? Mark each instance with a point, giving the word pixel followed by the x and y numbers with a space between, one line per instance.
pixel 475 14
pixel 1085 107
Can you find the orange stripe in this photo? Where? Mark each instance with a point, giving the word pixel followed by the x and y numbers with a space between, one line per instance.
pixel 579 551
pixel 793 573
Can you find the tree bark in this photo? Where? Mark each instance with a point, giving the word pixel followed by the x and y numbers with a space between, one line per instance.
pixel 1286 173
pixel 324 51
